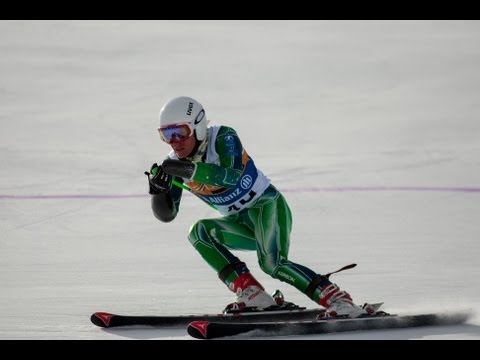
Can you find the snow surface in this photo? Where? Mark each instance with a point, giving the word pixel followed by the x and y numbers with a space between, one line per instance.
pixel 371 129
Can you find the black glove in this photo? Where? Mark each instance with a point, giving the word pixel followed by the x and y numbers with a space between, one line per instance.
pixel 159 180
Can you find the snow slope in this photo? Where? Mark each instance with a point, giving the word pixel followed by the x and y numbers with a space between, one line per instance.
pixel 371 129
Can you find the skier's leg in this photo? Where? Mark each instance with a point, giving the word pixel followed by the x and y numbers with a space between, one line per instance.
pixel 271 218
pixel 213 238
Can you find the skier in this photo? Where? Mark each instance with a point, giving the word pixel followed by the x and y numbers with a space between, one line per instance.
pixel 213 164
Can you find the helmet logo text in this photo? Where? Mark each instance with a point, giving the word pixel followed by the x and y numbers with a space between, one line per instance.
pixel 190 107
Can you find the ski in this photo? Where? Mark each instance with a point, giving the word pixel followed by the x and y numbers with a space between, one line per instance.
pixel 217 329
pixel 108 320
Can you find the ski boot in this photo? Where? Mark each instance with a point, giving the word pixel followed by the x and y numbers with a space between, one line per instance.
pixel 339 303
pixel 251 296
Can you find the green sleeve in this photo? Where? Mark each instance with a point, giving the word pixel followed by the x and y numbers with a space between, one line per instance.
pixel 230 150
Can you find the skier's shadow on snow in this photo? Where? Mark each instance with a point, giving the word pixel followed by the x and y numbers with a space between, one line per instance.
pixel 146 333
pixel 463 331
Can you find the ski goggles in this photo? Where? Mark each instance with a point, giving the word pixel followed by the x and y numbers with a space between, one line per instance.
pixel 175 133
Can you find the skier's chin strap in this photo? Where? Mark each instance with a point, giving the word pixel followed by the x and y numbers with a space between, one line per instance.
pixel 317 280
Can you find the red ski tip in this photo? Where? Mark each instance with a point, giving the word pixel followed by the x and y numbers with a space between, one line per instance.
pixel 104 317
pixel 200 326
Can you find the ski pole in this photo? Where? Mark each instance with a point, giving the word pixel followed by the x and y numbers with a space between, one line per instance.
pixel 182 186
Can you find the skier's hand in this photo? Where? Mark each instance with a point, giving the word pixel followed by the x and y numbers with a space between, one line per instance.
pixel 158 179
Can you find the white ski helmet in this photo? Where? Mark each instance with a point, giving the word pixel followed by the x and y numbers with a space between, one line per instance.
pixel 185 110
